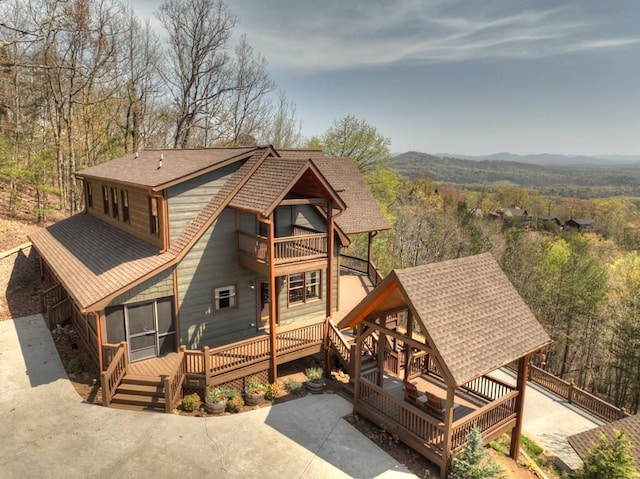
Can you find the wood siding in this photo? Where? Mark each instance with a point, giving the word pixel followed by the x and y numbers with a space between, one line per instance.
pixel 187 199
pixel 139 224
pixel 307 216
pixel 159 286
pixel 212 262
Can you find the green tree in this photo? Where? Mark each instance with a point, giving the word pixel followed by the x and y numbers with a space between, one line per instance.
pixel 474 463
pixel 356 139
pixel 610 459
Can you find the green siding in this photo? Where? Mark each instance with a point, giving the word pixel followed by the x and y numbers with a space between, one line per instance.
pixel 308 216
pixel 212 262
pixel 187 199
pixel 159 286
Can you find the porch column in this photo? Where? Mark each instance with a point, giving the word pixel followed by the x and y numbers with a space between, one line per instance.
pixel 523 374
pixel 273 344
pixel 382 343
pixel 408 350
pixel 357 364
pixel 448 422
pixel 329 295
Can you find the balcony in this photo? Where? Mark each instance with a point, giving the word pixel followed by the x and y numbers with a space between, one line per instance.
pixel 303 246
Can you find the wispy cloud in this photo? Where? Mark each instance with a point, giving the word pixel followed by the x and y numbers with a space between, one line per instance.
pixel 335 35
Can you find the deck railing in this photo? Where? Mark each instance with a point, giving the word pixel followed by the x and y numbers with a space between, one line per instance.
pixel 487 388
pixel 362 266
pixel 286 249
pixel 295 339
pixel 339 343
pixel 486 418
pixel 423 428
pixel 173 383
pixel 110 379
pixel 575 395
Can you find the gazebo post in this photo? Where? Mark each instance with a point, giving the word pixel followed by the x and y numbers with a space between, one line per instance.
pixel 408 350
pixel 382 344
pixel 357 364
pixel 523 373
pixel 448 422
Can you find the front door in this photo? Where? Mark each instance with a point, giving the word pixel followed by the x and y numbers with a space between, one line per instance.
pixel 141 331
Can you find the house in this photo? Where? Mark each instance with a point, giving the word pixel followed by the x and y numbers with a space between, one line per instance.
pixel 582 225
pixel 513 216
pixel 548 223
pixel 201 267
pixel 583 442
pixel 435 333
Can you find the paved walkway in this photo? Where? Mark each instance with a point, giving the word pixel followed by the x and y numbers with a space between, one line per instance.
pixel 47 431
pixel 549 420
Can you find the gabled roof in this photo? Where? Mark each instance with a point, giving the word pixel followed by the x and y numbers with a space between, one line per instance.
pixel 468 310
pixel 275 178
pixel 583 442
pixel 580 221
pixel 362 214
pixel 177 166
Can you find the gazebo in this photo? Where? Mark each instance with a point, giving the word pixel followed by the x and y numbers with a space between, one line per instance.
pixel 436 332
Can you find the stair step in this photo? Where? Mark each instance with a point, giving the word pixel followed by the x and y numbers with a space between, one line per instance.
pixel 130 407
pixel 142 380
pixel 141 389
pixel 137 400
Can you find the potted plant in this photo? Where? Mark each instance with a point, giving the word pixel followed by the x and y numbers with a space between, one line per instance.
pixel 254 392
pixel 216 401
pixel 315 380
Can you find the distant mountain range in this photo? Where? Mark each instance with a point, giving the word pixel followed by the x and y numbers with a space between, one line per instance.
pixel 550 159
pixel 575 176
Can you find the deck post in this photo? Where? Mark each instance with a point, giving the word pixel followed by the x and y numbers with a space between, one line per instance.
pixel 448 423
pixel 273 373
pixel 523 373
pixel 382 343
pixel 206 362
pixel 357 363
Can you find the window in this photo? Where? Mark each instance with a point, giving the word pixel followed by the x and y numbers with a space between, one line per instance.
pixel 105 199
pixel 224 297
pixel 89 195
pixel 115 212
pixel 304 287
pixel 153 214
pixel 125 205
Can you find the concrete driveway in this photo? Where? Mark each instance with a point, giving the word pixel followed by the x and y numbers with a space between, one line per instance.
pixel 48 431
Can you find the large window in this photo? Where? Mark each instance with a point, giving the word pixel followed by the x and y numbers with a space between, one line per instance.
pixel 153 215
pixel 224 297
pixel 304 287
pixel 125 205
pixel 115 211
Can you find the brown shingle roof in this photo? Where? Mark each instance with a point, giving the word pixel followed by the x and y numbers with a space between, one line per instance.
pixel 583 442
pixel 176 164
pixel 472 315
pixel 93 259
pixel 363 213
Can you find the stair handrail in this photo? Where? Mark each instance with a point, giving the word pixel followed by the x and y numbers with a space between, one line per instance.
pixel 110 378
pixel 339 342
pixel 173 382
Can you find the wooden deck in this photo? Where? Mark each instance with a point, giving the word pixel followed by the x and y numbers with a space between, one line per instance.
pixel 153 368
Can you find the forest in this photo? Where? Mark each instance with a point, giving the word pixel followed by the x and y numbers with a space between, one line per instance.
pixel 85 81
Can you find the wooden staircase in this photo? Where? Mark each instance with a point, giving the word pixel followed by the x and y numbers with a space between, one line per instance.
pixel 140 393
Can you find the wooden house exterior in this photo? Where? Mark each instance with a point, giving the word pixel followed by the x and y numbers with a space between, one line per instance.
pixel 582 225
pixel 436 332
pixel 200 267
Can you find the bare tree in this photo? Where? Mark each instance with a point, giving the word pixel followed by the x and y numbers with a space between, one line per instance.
pixel 283 130
pixel 197 64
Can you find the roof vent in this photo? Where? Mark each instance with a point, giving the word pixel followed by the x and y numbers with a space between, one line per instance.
pixel 160 161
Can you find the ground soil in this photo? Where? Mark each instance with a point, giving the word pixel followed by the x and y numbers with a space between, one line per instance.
pixel 23 300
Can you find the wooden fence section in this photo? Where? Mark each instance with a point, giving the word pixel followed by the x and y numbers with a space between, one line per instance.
pixel 87 329
pixel 362 266
pixel 51 296
pixel 492 419
pixel 110 379
pixel 579 397
pixel 58 313
pixel 173 383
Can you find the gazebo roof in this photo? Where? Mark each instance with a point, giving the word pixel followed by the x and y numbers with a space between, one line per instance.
pixel 471 315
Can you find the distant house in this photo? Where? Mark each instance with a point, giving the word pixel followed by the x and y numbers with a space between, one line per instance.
pixel 513 216
pixel 583 442
pixel 548 223
pixel 581 224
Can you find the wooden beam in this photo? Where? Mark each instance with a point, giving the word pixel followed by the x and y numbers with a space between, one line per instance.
pixel 521 385
pixel 272 303
pixel 448 422
pixel 391 286
pixel 303 201
pixel 357 365
pixel 330 247
pixel 389 332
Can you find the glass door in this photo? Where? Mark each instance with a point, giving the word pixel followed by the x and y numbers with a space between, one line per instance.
pixel 141 331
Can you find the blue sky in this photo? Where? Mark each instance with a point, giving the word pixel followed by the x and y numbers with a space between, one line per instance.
pixel 471 77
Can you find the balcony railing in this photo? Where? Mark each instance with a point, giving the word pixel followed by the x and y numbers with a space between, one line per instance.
pixel 287 249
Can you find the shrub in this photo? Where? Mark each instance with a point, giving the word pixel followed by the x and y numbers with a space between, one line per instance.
pixel 273 391
pixel 216 395
pixel 191 402
pixel 474 463
pixel 75 366
pixel 235 404
pixel 314 374
pixel 294 386
pixel 255 386
pixel 609 458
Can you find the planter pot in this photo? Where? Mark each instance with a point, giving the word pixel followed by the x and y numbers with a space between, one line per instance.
pixel 315 387
pixel 254 399
pixel 215 407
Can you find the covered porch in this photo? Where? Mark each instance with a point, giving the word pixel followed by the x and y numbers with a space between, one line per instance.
pixel 435 333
